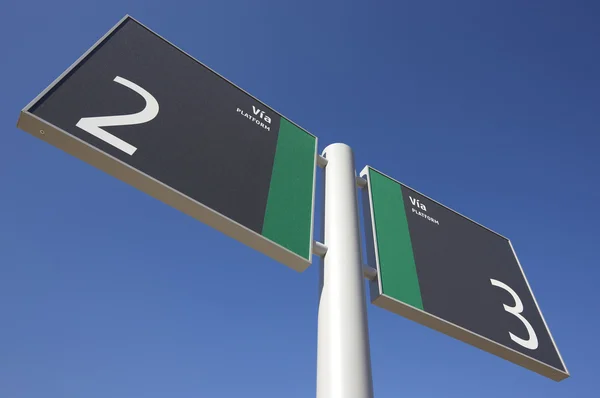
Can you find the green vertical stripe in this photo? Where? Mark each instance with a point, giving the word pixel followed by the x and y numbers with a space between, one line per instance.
pixel 396 259
pixel 288 216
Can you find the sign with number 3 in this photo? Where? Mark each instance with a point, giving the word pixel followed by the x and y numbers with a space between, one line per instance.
pixel 443 270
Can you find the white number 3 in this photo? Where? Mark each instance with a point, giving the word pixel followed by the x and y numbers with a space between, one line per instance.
pixel 532 342
pixel 93 125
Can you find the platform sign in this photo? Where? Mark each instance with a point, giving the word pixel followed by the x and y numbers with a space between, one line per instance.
pixel 142 110
pixel 447 272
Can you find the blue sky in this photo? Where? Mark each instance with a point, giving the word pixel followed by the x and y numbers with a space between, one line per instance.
pixel 488 107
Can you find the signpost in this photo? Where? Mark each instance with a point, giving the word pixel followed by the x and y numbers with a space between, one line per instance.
pixel 445 271
pixel 142 110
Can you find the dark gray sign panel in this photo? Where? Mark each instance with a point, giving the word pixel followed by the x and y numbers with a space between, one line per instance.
pixel 445 271
pixel 142 110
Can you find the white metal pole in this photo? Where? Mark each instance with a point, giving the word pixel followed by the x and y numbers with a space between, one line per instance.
pixel 343 354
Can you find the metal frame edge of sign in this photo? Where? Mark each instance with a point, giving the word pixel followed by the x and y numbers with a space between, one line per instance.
pixel 424 318
pixel 78 148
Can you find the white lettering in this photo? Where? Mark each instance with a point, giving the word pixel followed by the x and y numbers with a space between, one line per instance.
pixel 261 114
pixel 532 341
pixel 93 125
pixel 415 202
pixel 431 219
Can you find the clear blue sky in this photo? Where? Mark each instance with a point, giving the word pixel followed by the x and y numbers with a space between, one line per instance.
pixel 490 107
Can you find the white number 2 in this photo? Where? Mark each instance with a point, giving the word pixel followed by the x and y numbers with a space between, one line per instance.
pixel 532 342
pixel 93 125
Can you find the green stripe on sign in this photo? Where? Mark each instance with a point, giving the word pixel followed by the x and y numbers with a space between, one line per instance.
pixel 399 278
pixel 288 216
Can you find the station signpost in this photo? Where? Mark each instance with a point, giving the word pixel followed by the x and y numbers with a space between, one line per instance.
pixel 142 110
pixel 445 271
